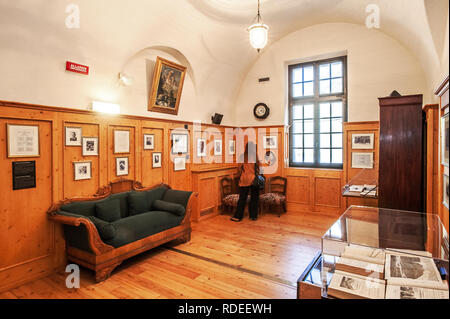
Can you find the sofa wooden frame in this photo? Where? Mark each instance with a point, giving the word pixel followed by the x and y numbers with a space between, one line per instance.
pixel 105 258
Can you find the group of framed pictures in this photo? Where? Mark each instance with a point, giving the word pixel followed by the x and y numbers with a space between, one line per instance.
pixel 201 147
pixel 363 141
pixel 445 136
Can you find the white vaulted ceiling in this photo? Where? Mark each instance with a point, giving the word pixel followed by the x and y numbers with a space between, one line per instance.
pixel 209 35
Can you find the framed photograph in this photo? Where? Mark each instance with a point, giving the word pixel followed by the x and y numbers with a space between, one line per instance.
pixel 149 141
pixel 157 159
pixel 363 141
pixel 82 170
pixel 121 141
pixel 445 196
pixel 22 140
pixel 218 147
pixel 201 147
pixel 121 166
pixel 445 140
pixel 179 163
pixel 90 146
pixel 179 143
pixel 73 136
pixel 167 86
pixel 362 160
pixel 270 158
pixel 232 147
pixel 270 142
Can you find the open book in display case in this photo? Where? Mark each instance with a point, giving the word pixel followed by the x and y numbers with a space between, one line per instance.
pixel 377 253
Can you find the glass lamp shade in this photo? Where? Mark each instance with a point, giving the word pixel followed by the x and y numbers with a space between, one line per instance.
pixel 258 35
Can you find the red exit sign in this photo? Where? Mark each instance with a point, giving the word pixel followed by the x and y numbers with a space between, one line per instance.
pixel 77 68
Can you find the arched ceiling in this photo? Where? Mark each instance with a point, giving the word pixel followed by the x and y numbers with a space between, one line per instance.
pixel 211 34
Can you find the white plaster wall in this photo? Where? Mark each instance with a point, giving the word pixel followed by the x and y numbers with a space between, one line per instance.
pixel 376 65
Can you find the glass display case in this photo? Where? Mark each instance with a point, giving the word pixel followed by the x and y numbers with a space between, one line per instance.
pixel 363 184
pixel 383 253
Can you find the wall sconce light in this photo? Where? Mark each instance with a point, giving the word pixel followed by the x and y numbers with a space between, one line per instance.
pixel 125 79
pixel 105 107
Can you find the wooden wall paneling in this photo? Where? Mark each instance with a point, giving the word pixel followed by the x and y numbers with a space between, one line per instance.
pixel 351 128
pixel 298 193
pixel 27 237
pixel 327 186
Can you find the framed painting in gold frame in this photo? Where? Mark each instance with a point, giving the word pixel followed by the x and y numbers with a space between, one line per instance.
pixel 167 85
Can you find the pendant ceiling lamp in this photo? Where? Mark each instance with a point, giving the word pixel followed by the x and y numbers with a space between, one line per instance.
pixel 259 32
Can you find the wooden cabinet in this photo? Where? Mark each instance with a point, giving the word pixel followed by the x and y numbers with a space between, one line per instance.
pixel 402 162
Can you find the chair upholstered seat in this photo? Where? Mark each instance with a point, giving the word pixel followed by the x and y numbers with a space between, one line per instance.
pixel 232 200
pixel 272 199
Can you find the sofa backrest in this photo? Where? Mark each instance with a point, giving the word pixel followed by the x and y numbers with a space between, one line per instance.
pixel 87 208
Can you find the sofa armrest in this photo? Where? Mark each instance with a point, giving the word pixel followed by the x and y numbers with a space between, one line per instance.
pixel 96 244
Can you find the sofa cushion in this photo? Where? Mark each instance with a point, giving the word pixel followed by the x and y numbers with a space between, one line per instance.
pixel 123 200
pixel 108 210
pixel 138 203
pixel 176 196
pixel 139 226
pixel 86 208
pixel 106 230
pixel 155 194
pixel 173 208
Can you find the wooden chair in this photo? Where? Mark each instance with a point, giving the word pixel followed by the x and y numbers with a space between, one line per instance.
pixel 276 195
pixel 229 194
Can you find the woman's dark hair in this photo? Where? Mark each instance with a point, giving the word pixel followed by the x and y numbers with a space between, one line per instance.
pixel 250 155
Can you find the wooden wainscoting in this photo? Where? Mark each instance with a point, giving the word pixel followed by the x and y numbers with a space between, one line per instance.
pixel 370 175
pixel 315 190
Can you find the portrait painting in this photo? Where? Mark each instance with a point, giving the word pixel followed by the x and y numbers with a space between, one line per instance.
pixel 167 85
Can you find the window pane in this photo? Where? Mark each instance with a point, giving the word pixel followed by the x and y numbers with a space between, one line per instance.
pixel 297 75
pixel 309 89
pixel 324 110
pixel 309 156
pixel 297 90
pixel 297 156
pixel 297 112
pixel 308 126
pixel 297 127
pixel 336 109
pixel 337 156
pixel 324 126
pixel 324 140
pixel 337 140
pixel 324 71
pixel 309 140
pixel 325 156
pixel 297 140
pixel 336 69
pixel 309 111
pixel 336 85
pixel 325 87
pixel 336 125
pixel 308 73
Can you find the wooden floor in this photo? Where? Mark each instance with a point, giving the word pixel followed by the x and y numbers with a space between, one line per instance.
pixel 224 259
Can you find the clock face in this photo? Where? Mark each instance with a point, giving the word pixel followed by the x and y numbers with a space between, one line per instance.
pixel 261 111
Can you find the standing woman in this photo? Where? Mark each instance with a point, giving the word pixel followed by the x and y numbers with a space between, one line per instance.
pixel 248 168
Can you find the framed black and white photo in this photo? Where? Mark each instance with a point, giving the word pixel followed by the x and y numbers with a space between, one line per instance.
pixel 445 197
pixel 90 146
pixel 270 142
pixel 179 163
pixel 445 140
pixel 121 141
pixel 82 170
pixel 362 160
pixel 149 141
pixel 201 147
pixel 363 141
pixel 179 143
pixel 157 159
pixel 121 166
pixel 217 147
pixel 22 140
pixel 73 136
pixel 232 147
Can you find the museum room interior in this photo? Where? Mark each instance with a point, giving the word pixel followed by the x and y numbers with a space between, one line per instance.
pixel 224 149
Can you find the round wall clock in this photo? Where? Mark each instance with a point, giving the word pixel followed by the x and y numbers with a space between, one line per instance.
pixel 261 111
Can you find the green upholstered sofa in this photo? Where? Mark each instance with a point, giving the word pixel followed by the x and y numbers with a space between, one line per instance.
pixel 120 221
